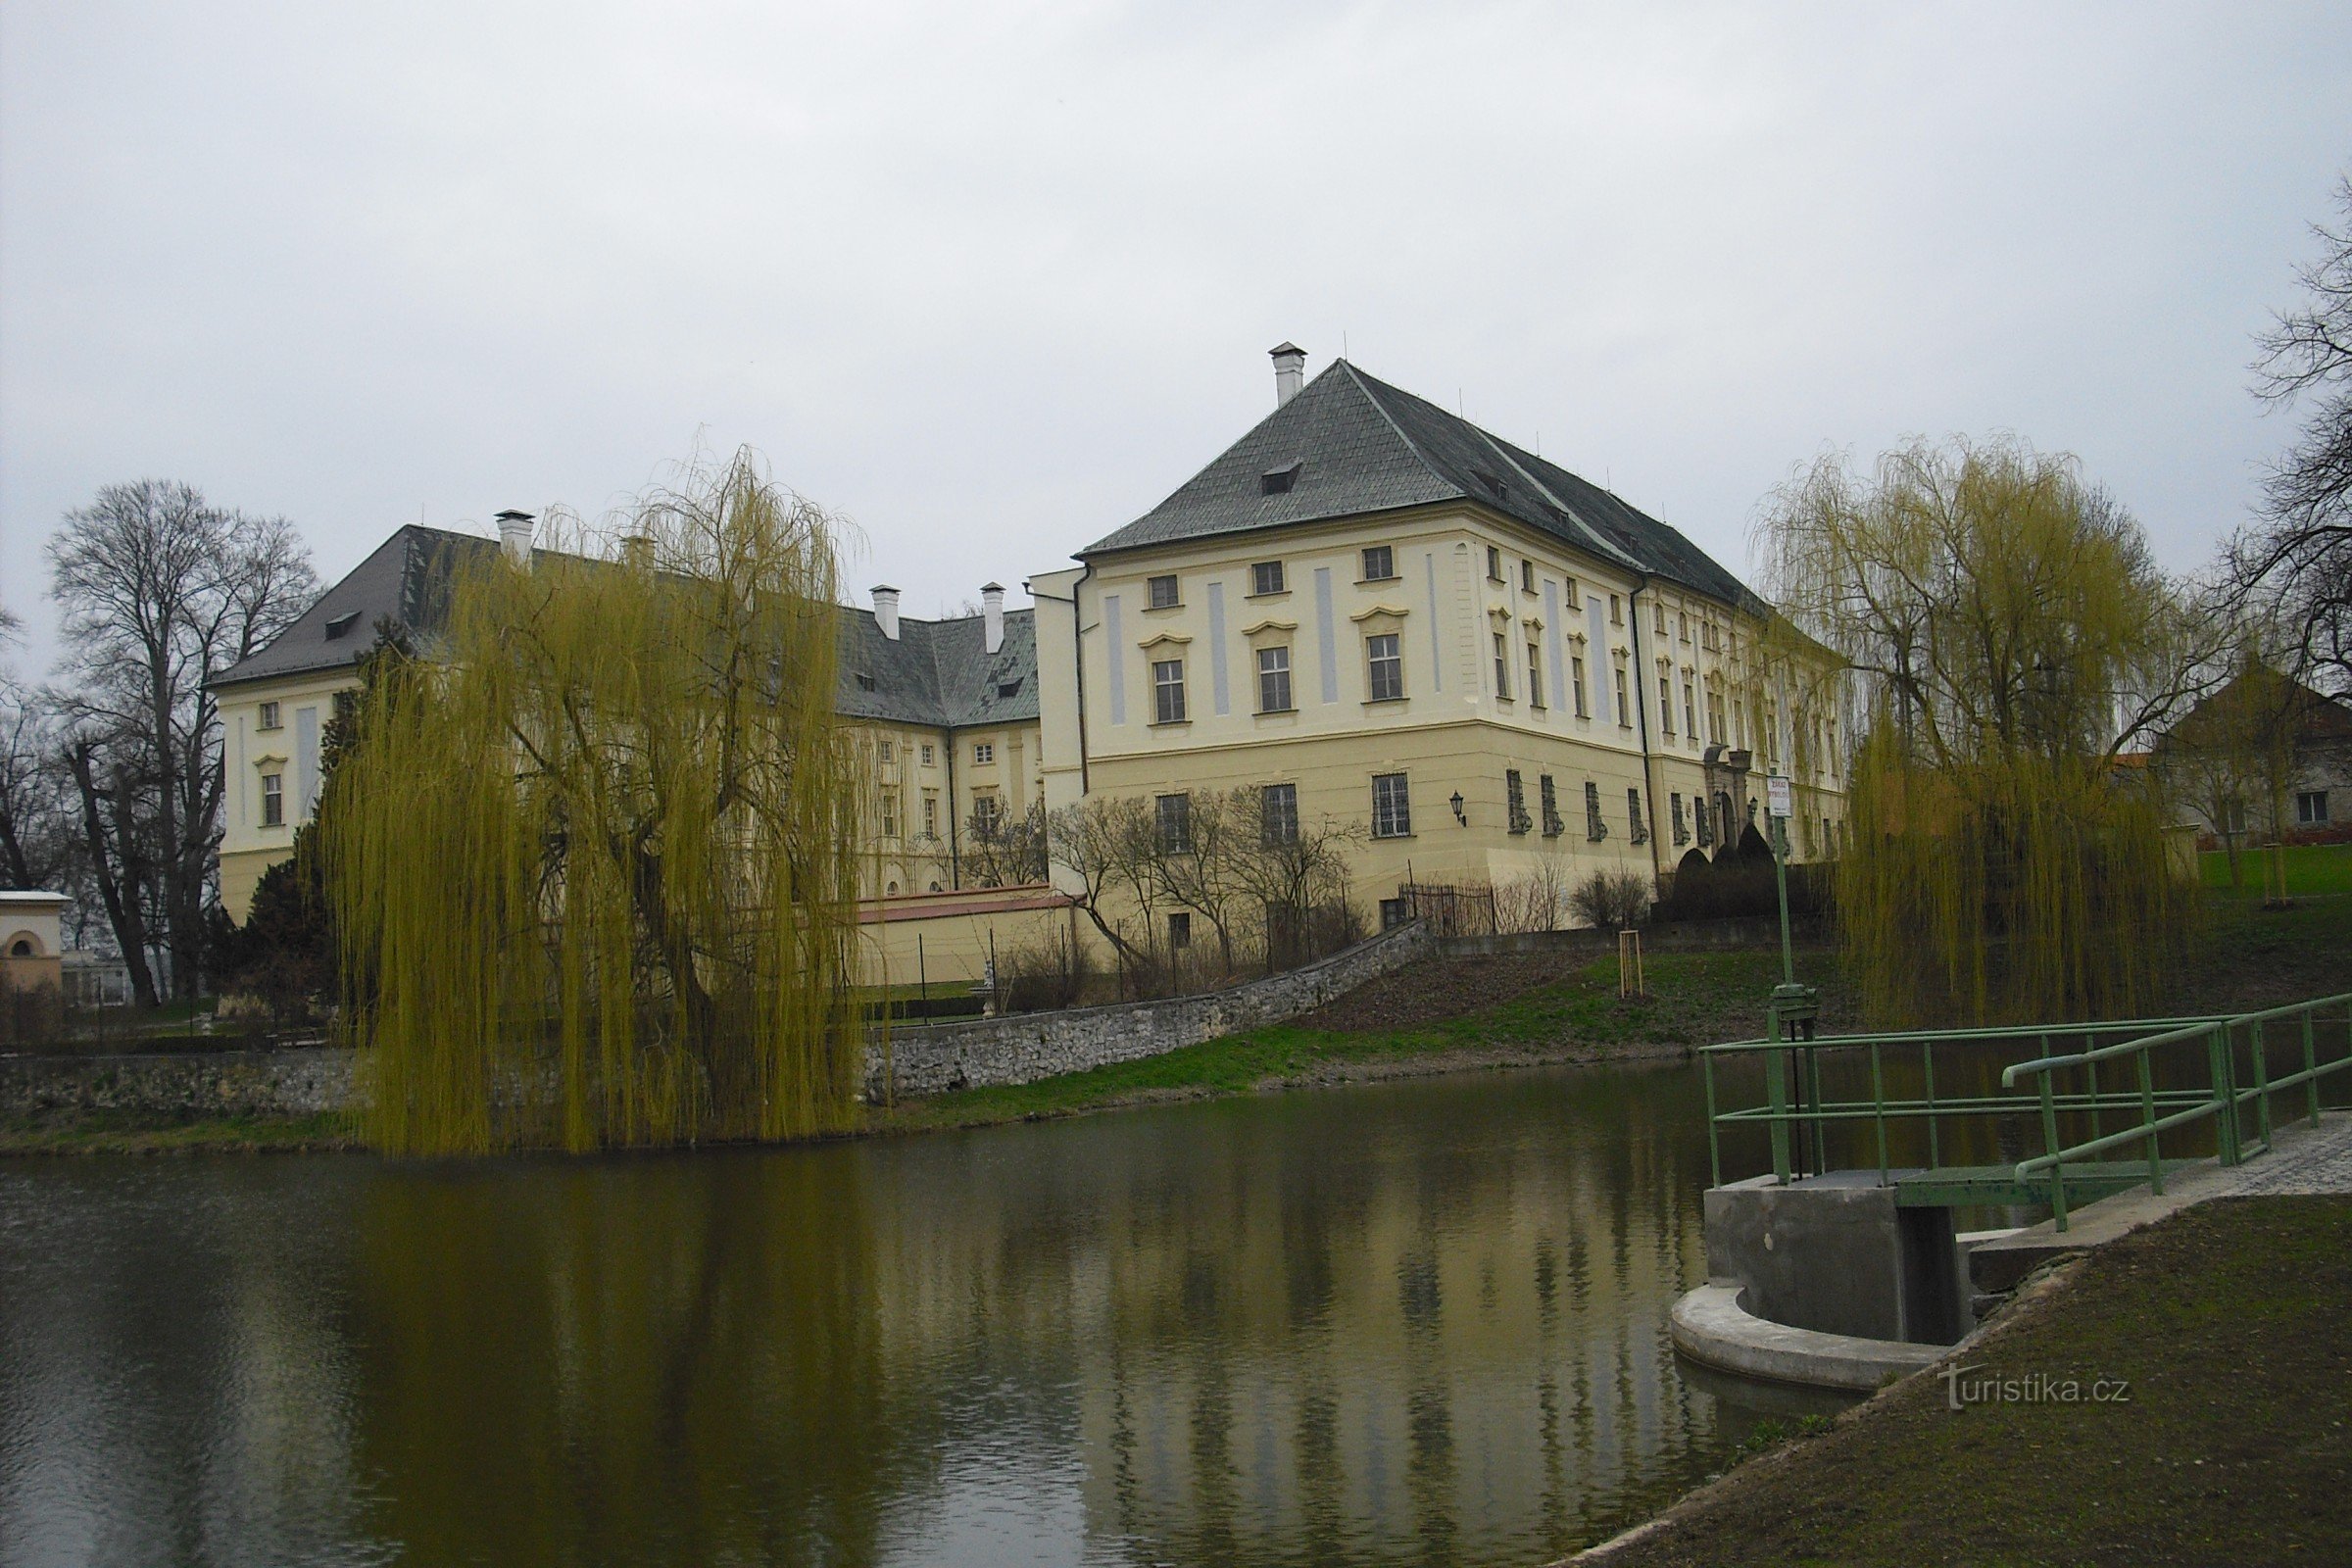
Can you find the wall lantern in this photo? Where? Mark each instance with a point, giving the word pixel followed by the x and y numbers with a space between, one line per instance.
pixel 1458 816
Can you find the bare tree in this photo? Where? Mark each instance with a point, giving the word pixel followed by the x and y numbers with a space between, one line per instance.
pixel 1202 871
pixel 1288 867
pixel 2299 555
pixel 36 822
pixel 1533 900
pixel 36 836
pixel 161 592
pixel 1107 843
pixel 1001 851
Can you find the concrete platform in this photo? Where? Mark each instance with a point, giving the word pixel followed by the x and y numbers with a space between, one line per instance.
pixel 1711 1327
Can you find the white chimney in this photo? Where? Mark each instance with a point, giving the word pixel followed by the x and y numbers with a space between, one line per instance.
pixel 992 616
pixel 1290 372
pixel 515 536
pixel 886 609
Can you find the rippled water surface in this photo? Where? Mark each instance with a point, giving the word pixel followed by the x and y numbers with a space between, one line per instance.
pixel 1414 1322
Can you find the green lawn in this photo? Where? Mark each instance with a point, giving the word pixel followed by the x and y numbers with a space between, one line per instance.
pixel 1694 998
pixel 2310 869
pixel 2228 1329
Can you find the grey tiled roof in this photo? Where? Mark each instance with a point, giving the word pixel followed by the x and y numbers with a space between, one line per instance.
pixel 406 579
pixel 935 674
pixel 1363 446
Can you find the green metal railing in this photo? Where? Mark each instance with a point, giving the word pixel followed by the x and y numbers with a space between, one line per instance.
pixel 2224 1102
pixel 1798 1116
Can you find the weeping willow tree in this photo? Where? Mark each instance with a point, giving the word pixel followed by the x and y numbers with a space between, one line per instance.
pixel 593 859
pixel 2007 637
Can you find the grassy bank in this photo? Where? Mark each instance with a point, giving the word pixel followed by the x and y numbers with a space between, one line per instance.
pixel 2310 869
pixel 107 1132
pixel 2230 1324
pixel 1441 1014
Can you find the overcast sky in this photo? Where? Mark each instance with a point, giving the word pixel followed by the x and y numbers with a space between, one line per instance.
pixel 992 280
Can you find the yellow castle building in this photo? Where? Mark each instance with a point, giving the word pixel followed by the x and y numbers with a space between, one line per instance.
pixel 1372 609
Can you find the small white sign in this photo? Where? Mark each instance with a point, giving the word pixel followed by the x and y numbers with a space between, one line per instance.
pixel 1776 797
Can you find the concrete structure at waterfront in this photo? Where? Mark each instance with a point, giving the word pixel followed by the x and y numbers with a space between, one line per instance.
pixel 1381 614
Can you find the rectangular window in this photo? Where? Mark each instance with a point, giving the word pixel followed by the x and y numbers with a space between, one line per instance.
pixel 1633 809
pixel 1527 576
pixel 1552 825
pixel 930 813
pixel 1682 832
pixel 2311 808
pixel 1387 663
pixel 1682 628
pixel 1576 678
pixel 1266 577
pixel 1273 680
pixel 1594 828
pixel 1168 690
pixel 1503 667
pixel 269 717
pixel 890 752
pixel 1665 704
pixel 1180 930
pixel 984 815
pixel 2233 816
pixel 1493 564
pixel 890 814
pixel 1625 707
pixel 1576 598
pixel 928 757
pixel 1534 677
pixel 274 800
pixel 1175 818
pixel 1380 564
pixel 1689 710
pixel 1278 807
pixel 1394 912
pixel 1163 593
pixel 1715 717
pixel 1658 619
pixel 1616 611
pixel 983 753
pixel 1514 799
pixel 1391 806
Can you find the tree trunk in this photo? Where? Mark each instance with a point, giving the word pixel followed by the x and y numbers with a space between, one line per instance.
pixel 123 913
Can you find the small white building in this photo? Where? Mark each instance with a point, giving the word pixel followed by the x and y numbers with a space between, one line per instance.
pixel 31 940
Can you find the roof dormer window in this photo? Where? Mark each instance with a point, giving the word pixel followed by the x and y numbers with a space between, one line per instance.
pixel 865 682
pixel 1008 688
pixel 339 627
pixel 1278 482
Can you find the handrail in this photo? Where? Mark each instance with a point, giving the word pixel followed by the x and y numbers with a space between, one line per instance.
pixel 2225 1099
pixel 1947 1036
pixel 2221 1098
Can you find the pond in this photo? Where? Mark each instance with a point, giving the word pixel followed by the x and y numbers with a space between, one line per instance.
pixel 1418 1321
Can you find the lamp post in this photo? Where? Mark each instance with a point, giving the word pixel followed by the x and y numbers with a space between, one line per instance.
pixel 1793 1008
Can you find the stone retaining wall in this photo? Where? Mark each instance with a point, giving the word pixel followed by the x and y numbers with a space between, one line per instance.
pixel 182 1084
pixel 1028 1047
pixel 917 1060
